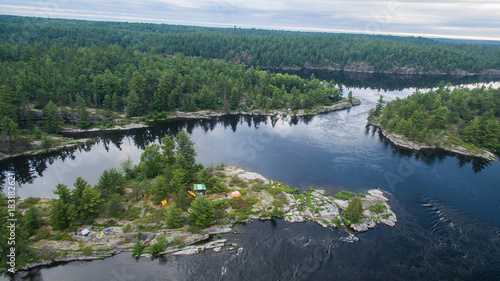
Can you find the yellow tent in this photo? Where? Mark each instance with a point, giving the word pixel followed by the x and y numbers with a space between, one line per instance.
pixel 164 202
pixel 235 194
pixel 99 235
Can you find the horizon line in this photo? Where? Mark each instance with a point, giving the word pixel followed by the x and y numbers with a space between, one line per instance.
pixel 135 19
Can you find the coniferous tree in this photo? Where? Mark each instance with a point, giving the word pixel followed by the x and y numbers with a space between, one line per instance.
pixel 111 182
pixel 354 210
pixel 201 213
pixel 134 106
pixel 52 120
pixel 33 220
pixel 173 216
pixel 83 117
pixel 185 149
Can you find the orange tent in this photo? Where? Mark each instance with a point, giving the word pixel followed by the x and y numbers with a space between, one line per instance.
pixel 235 194
pixel 164 202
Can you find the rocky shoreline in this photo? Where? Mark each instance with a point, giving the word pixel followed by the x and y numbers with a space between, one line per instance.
pixel 37 150
pixel 314 205
pixel 403 142
pixel 365 68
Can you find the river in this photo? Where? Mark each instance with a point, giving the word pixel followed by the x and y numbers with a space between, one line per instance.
pixel 448 206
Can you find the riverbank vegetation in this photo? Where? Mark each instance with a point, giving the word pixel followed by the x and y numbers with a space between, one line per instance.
pixel 444 118
pixel 145 207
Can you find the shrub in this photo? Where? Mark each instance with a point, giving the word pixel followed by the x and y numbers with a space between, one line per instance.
pixel 296 191
pixel 276 212
pixel 127 228
pixel 42 233
pixel 114 207
pixel 178 240
pixel 159 246
pixel 46 143
pixel 30 201
pixel 219 235
pixel 345 195
pixel 235 180
pixel 132 213
pixel 257 186
pixel 337 221
pixel 377 208
pixel 216 186
pixel 87 251
pixel 219 209
pixel 61 237
pixel 137 250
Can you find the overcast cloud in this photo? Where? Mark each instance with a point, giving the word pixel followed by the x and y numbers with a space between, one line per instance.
pixel 474 19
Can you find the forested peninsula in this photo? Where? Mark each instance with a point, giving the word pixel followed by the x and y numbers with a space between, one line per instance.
pixel 46 89
pixel 168 204
pixel 460 120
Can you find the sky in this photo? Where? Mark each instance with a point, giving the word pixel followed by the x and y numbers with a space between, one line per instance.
pixel 473 19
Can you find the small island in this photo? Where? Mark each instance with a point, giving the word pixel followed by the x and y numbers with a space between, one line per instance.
pixel 168 205
pixel 463 121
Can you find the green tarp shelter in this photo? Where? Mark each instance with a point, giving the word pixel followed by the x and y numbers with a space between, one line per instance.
pixel 199 187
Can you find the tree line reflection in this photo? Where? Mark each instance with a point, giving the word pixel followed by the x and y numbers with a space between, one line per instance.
pixel 28 168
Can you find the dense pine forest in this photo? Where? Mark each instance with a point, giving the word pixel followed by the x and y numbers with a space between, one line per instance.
pixel 60 70
pixel 258 48
pixel 445 117
pixel 61 81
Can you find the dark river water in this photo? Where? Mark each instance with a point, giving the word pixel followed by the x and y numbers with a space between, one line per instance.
pixel 448 207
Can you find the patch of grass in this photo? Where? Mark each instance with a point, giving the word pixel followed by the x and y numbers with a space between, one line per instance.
pixel 42 233
pixel 257 186
pixel 157 216
pixel 127 228
pixel 345 195
pixel 386 216
pixel 61 237
pixel 235 180
pixel 279 200
pixel 30 201
pixel 132 213
pixel 277 213
pixel 220 207
pixel 377 208
pixel 178 241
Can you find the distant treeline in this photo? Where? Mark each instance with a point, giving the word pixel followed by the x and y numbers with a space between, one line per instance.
pixel 254 47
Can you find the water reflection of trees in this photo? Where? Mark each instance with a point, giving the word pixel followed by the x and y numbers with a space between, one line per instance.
pixel 389 82
pixel 28 168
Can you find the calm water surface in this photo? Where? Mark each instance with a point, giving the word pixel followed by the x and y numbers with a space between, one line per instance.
pixel 448 207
